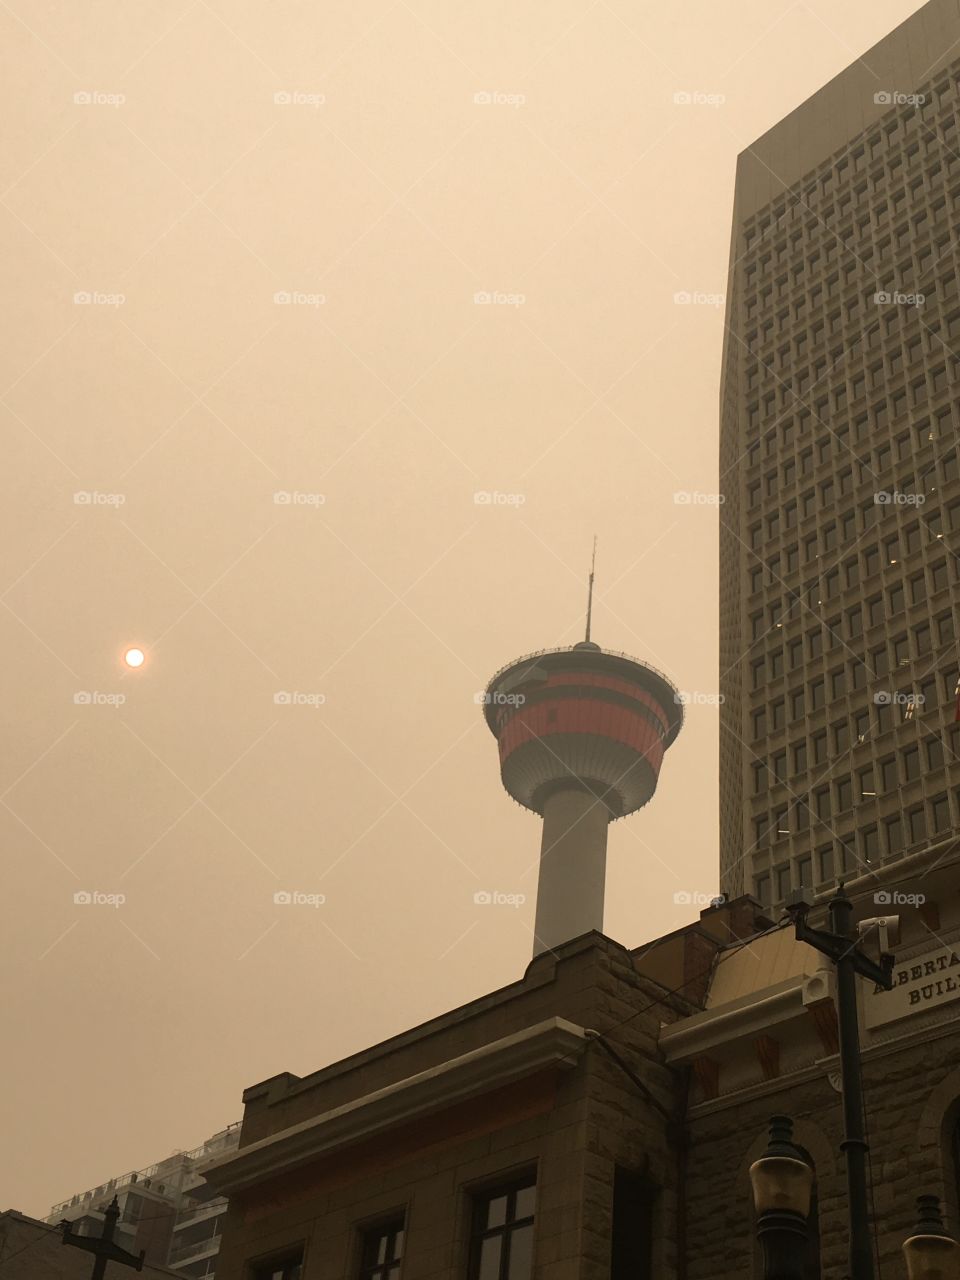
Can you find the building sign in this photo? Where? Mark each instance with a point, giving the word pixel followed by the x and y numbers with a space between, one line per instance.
pixel 925 982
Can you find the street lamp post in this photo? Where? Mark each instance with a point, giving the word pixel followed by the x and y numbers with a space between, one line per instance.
pixel 931 1253
pixel 839 945
pixel 782 1182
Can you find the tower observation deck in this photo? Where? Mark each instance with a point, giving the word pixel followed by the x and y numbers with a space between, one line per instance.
pixel 582 734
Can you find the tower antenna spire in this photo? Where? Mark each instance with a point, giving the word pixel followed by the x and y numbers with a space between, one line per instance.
pixel 593 565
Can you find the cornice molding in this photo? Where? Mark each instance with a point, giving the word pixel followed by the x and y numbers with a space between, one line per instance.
pixel 551 1043
pixel 747 1017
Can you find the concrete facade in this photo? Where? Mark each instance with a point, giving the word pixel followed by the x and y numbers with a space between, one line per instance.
pixel 839 466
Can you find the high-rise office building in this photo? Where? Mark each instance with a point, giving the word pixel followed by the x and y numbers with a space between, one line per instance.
pixel 840 529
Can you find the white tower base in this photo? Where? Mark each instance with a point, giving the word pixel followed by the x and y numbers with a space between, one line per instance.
pixel 573 860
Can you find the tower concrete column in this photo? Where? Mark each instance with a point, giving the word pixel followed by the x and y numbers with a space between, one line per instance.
pixel 573 725
pixel 573 860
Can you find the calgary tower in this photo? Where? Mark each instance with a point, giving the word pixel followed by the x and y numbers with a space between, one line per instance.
pixel 582 732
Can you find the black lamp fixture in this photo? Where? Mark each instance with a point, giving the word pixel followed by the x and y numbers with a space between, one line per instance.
pixel 930 1251
pixel 782 1183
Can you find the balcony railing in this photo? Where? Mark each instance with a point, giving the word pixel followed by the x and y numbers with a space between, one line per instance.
pixel 211 1244
pixel 206 1209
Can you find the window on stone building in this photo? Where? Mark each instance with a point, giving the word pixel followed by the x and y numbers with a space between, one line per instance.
pixel 631 1251
pixel 381 1250
pixel 287 1266
pixel 501 1241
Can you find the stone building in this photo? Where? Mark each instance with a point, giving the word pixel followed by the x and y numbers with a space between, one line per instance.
pixel 553 1084
pixel 597 1119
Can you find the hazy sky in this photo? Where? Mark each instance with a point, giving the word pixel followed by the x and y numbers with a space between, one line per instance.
pixel 169 170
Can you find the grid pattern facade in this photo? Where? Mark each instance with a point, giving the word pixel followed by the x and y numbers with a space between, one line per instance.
pixel 839 533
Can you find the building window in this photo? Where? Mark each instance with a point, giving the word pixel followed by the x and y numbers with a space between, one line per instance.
pixel 631 1253
pixel 761 889
pixel 918 826
pixel 825 859
pixel 285 1267
pixel 940 813
pixel 888 774
pixel 783 882
pixel 382 1250
pixel 501 1244
pixel 870 842
pixel 894 830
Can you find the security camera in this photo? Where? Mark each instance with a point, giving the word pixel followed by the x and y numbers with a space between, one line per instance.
pixel 888 931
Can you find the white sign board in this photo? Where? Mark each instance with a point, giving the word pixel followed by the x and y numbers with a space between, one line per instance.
pixel 925 982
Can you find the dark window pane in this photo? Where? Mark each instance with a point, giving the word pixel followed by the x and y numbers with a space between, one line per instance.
pixel 382 1250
